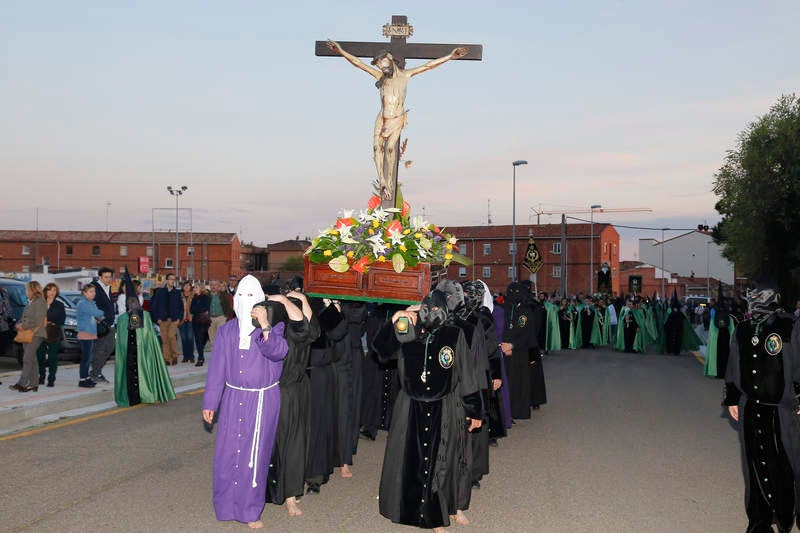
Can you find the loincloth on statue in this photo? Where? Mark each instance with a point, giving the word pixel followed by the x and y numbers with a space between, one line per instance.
pixel 393 125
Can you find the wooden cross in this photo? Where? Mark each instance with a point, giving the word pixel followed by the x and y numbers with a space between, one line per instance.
pixel 398 31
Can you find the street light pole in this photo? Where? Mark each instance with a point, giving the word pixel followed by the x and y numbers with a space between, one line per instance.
pixel 514 164
pixel 177 192
pixel 591 248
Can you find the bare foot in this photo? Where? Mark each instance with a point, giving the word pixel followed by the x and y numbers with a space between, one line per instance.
pixel 291 506
pixel 346 471
pixel 258 524
pixel 460 518
pixel 438 530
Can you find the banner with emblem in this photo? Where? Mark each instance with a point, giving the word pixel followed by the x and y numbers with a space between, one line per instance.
pixel 533 259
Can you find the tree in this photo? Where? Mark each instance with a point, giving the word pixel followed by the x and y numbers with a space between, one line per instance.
pixel 759 193
pixel 293 264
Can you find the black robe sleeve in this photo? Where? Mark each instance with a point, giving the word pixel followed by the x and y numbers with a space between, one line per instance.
pixel 385 343
pixel 732 393
pixel 469 387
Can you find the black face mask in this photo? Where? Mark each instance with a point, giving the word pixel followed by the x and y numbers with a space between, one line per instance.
pixel 433 311
pixel 473 295
pixel 761 302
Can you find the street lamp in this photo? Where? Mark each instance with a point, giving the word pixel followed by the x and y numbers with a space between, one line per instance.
pixel 515 164
pixel 177 192
pixel 591 248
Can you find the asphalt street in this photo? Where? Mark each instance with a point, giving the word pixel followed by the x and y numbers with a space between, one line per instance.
pixel 627 443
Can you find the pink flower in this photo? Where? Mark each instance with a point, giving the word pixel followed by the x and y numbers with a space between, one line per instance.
pixel 406 209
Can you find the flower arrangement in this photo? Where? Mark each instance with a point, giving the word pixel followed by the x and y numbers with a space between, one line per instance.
pixel 383 235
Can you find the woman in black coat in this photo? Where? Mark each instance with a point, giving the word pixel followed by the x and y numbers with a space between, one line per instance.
pixel 47 353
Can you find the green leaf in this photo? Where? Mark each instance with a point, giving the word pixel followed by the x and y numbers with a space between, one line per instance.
pixel 339 264
pixel 398 262
pixel 462 259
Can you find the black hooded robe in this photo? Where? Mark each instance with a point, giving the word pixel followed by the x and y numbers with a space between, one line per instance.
pixel 673 332
pixel 380 382
pixel 425 450
pixel 519 331
pixel 286 475
pixel 763 379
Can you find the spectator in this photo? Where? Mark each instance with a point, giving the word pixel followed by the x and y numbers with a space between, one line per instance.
pixel 33 317
pixel 87 315
pixel 186 330
pixel 167 310
pixel 201 320
pixel 220 308
pixel 47 354
pixel 105 344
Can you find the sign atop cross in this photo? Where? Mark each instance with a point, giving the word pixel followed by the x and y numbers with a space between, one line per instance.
pixel 392 76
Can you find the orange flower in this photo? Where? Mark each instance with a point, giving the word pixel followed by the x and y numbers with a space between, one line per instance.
pixel 406 209
pixel 361 264
pixel 343 222
pixel 395 226
pixel 374 202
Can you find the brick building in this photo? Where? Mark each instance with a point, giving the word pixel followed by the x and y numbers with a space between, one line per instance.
pixel 201 255
pixel 653 279
pixel 490 249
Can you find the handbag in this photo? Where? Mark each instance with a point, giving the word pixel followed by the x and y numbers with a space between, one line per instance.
pixel 53 332
pixel 25 336
pixel 102 328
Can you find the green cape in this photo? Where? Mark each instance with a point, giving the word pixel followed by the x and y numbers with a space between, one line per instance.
pixel 639 343
pixel 155 384
pixel 710 368
pixel 553 333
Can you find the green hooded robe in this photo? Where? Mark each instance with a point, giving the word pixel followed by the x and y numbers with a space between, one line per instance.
pixel 155 384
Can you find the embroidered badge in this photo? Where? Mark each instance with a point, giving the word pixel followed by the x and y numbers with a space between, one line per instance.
pixel 773 344
pixel 754 340
pixel 447 357
pixel 133 320
pixel 522 321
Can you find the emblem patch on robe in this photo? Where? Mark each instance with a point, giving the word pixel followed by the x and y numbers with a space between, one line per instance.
pixel 447 357
pixel 773 344
pixel 522 321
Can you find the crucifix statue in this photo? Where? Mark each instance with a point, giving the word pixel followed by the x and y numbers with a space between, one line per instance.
pixel 392 81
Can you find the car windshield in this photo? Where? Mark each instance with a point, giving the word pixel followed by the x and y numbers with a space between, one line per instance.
pixel 71 298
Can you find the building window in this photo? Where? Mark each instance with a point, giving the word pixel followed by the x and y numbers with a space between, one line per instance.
pixel 121 271
pixel 26 268
pixel 512 248
pixel 123 251
pixel 26 250
pixel 557 247
pixel 605 248
pixel 614 249
pixel 487 249
pixel 149 251
pixel 95 250
pixel 462 247
pixel 462 272
pixel 190 251
pixel 168 263
pixel 511 271
pixel 487 272
pixel 613 273
pixel 556 271
pixel 69 249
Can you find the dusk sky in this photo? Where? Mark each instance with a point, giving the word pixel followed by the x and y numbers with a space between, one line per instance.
pixel 618 103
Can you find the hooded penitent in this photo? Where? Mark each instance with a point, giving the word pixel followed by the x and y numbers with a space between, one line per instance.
pixel 473 295
pixel 454 295
pixel 433 311
pixel 248 294
pixel 762 300
pixel 132 304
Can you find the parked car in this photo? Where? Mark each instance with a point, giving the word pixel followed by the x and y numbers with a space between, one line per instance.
pixel 70 345
pixel 17 300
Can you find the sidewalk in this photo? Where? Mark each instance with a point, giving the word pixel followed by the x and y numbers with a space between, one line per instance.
pixel 20 411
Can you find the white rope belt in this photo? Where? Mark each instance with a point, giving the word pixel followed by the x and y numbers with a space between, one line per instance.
pixel 253 465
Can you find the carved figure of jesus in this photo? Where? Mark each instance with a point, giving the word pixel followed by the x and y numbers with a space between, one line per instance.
pixel 392 118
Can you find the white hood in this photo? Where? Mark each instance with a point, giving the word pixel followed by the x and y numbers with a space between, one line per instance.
pixel 248 293
pixel 488 301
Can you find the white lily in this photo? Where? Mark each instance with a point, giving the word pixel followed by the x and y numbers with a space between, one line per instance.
pixel 423 253
pixel 418 223
pixel 347 213
pixel 396 237
pixel 377 243
pixel 326 231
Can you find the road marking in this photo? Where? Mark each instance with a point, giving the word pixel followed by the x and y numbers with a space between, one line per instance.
pixel 87 418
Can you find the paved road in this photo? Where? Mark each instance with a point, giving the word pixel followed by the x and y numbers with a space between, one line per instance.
pixel 628 443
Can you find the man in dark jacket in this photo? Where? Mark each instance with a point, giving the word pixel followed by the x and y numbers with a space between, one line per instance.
pixel 167 309
pixel 104 302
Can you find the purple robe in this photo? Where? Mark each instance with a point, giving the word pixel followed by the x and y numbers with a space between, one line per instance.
pixel 240 464
pixel 505 397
